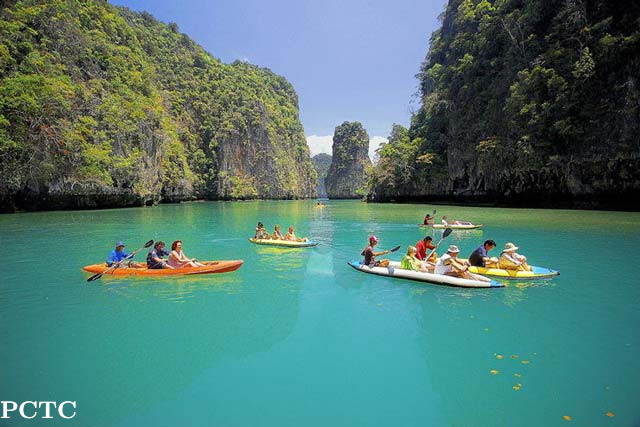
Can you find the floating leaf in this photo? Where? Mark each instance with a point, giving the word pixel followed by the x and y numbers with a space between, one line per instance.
pixel 566 417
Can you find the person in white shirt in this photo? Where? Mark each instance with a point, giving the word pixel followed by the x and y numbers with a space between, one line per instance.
pixel 450 265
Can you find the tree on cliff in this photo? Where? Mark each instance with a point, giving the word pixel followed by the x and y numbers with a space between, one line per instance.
pixel 101 106
pixel 350 162
pixel 524 101
pixel 321 162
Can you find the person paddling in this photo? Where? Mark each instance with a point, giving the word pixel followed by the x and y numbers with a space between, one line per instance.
pixel 370 255
pixel 480 257
pixel 154 257
pixel 428 219
pixel 117 255
pixel 422 246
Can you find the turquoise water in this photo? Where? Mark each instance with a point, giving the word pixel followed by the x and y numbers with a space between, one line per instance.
pixel 296 337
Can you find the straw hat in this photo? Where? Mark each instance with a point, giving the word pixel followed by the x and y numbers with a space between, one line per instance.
pixel 453 249
pixel 510 247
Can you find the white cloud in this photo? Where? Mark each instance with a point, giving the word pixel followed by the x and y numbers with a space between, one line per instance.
pixel 322 144
pixel 319 144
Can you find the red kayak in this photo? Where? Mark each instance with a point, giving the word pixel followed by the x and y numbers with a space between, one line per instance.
pixel 210 267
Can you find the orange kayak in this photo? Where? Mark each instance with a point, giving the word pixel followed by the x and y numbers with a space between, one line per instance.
pixel 210 267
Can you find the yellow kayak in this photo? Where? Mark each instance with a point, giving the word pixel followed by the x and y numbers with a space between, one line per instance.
pixel 285 243
pixel 535 273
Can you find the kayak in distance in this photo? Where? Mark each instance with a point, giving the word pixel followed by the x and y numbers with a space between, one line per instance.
pixel 209 267
pixel 284 243
pixel 535 273
pixel 453 226
pixel 394 270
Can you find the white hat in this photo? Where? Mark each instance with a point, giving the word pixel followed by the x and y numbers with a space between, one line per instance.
pixel 510 247
pixel 453 249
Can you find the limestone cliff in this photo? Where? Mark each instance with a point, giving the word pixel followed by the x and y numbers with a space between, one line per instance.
pixel 104 107
pixel 321 162
pixel 346 177
pixel 524 103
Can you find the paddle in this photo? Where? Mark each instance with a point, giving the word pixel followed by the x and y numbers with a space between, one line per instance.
pixel 394 249
pixel 446 232
pixel 117 264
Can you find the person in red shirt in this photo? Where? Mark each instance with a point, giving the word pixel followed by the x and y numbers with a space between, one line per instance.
pixel 423 246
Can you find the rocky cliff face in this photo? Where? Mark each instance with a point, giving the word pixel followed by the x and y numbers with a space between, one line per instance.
pixel 346 177
pixel 321 162
pixel 534 103
pixel 104 107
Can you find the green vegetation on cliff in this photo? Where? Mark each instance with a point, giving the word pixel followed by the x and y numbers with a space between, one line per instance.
pixel 321 162
pixel 100 106
pixel 524 102
pixel 350 163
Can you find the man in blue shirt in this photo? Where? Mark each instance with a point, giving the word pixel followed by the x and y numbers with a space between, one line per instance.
pixel 480 257
pixel 117 255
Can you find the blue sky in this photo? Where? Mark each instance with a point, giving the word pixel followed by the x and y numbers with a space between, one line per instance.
pixel 348 60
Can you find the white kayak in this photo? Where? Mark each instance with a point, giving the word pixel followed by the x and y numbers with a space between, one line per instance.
pixel 394 270
pixel 467 226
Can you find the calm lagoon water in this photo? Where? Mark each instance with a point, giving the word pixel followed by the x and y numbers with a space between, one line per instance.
pixel 296 337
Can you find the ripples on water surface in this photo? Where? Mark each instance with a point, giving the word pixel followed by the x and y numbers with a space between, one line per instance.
pixel 296 337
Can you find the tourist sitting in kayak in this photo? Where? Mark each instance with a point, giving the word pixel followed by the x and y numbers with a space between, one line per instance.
pixel 154 257
pixel 480 257
pixel 410 262
pixel 428 220
pixel 177 258
pixel 370 255
pixel 277 234
pixel 511 260
pixel 450 265
pixel 291 235
pixel 446 222
pixel 423 246
pixel 261 233
pixel 117 255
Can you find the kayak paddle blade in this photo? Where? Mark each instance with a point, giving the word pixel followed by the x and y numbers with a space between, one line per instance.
pixel 394 249
pixel 447 231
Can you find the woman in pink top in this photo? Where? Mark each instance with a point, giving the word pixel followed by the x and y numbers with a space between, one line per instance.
pixel 178 259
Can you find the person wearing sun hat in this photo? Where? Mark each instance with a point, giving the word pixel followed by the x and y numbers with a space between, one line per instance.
pixel 511 260
pixel 450 265
pixel 370 255
pixel 117 255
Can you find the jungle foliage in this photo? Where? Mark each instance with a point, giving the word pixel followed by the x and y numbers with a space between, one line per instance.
pixel 103 99
pixel 511 92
